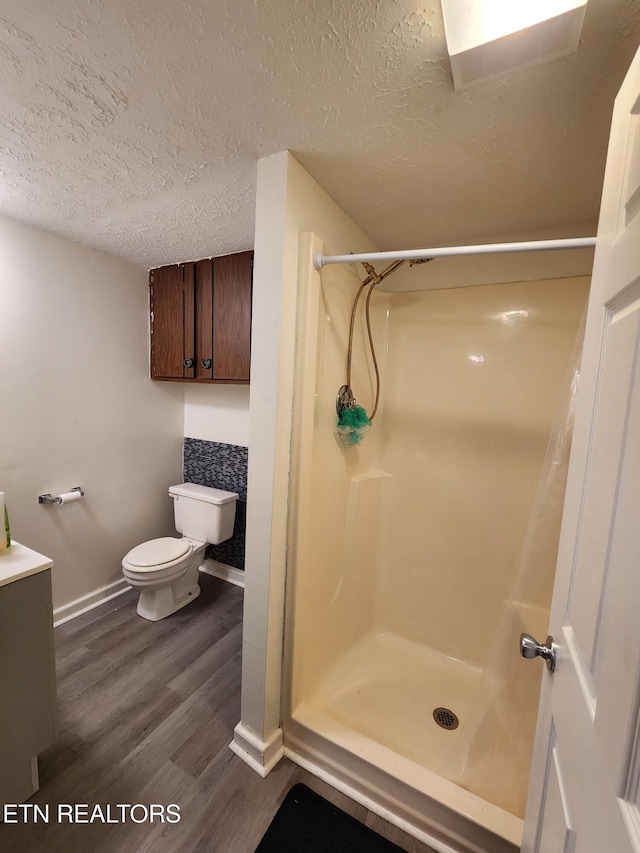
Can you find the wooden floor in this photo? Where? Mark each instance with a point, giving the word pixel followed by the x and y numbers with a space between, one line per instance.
pixel 147 711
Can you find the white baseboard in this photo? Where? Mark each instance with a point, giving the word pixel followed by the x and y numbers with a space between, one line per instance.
pixel 106 593
pixel 222 571
pixel 88 602
pixel 261 756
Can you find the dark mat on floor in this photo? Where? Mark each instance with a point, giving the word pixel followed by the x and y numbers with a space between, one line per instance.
pixel 307 823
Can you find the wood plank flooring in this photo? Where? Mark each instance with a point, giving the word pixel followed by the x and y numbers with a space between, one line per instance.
pixel 146 714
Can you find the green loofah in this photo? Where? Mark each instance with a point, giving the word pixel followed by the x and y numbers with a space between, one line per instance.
pixel 353 425
pixel 354 417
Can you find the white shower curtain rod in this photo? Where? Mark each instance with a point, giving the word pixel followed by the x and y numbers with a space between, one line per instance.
pixel 320 260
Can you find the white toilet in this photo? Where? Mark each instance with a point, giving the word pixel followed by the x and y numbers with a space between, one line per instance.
pixel 166 570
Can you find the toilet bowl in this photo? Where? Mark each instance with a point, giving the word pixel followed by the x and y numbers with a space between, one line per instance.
pixel 165 570
pixel 166 573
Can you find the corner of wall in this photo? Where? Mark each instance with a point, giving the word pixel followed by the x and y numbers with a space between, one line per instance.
pixel 288 201
pixel 261 756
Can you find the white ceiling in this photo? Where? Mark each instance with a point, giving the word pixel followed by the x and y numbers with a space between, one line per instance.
pixel 134 126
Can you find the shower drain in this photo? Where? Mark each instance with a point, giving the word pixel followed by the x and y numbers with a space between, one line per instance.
pixel 445 718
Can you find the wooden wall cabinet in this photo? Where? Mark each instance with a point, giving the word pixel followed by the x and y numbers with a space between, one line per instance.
pixel 201 320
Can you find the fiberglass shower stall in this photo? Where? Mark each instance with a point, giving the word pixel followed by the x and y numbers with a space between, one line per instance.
pixel 418 557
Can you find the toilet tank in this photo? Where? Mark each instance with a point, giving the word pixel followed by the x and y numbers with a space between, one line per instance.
pixel 203 513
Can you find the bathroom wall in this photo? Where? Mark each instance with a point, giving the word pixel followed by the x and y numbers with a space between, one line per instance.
pixel 216 429
pixel 78 408
pixel 289 201
pixel 217 413
pixel 336 542
pixel 419 530
pixel 474 378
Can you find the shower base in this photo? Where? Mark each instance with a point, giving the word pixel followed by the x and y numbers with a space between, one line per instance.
pixel 387 688
pixel 370 727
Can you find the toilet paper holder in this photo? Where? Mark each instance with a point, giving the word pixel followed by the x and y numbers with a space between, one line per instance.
pixel 49 499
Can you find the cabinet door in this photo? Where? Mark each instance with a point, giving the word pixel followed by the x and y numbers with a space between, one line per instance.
pixel 28 679
pixel 204 319
pixel 172 322
pixel 232 316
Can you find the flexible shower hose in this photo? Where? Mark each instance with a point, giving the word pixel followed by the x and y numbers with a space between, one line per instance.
pixel 371 281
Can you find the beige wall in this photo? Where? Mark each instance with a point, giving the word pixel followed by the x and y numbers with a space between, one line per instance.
pixel 288 201
pixel 474 378
pixel 336 537
pixel 78 408
pixel 419 531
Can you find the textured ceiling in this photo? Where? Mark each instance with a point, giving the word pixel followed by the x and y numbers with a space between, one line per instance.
pixel 134 126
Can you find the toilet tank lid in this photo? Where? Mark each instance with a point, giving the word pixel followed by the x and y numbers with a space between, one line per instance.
pixel 203 493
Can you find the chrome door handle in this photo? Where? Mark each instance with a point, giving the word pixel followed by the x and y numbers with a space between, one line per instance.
pixel 531 648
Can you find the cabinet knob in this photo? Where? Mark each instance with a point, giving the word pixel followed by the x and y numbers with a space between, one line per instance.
pixel 188 362
pixel 206 363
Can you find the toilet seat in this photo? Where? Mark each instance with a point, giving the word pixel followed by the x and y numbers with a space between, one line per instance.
pixel 156 574
pixel 139 567
pixel 158 554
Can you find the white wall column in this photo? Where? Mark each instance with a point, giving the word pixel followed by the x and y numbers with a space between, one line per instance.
pixel 288 202
pixel 258 736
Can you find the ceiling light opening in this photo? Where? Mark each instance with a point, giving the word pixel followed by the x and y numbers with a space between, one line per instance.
pixel 489 38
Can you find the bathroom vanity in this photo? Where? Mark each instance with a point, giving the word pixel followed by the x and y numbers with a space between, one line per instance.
pixel 27 670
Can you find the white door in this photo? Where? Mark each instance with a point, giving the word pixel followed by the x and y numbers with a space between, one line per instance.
pixel 585 783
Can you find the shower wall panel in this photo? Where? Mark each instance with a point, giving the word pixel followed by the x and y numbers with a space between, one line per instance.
pixel 337 545
pixel 473 379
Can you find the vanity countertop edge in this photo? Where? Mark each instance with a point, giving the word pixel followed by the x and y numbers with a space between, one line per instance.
pixel 18 562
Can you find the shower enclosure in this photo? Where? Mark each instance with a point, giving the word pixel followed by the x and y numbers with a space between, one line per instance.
pixel 417 558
